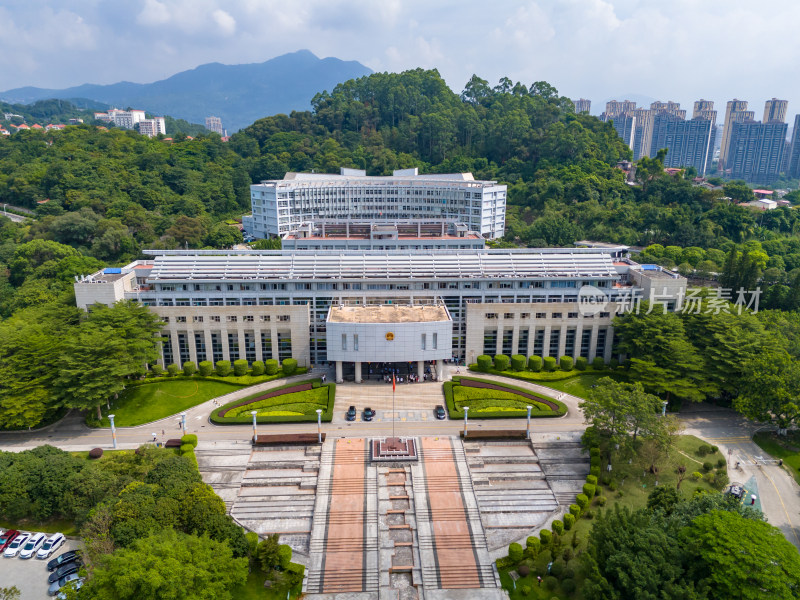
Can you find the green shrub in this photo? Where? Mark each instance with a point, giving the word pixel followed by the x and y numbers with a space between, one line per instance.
pixel 591 479
pixel 546 537
pixel 525 589
pixel 613 363
pixel 223 368
pixel 707 466
pixel 601 500
pixel 612 485
pixel 518 362
pixel 289 366
pixel 697 476
pixel 501 362
pixel 589 490
pixel 532 546
pixel 569 521
pixel 156 369
pixel 595 470
pixel 189 368
pixel 581 363
pixel 258 368
pixel 568 586
pixel 550 364
pixel 271 365
pixel 720 480
pixel 558 567
pixel 713 449
pixel 240 367
pixel 535 363
pixel 185 448
pixel 284 556
pixel 484 362
pixel 173 370
pixel 594 461
pixel 315 384
pixel 190 438
pixel 605 479
pixel 566 363
pixel 515 552
pixel 589 514
pixel 550 582
pixel 558 526
pixel 582 500
pixel 594 451
pixel 575 510
pixel 206 368
pixel 703 449
pixel 721 463
pixel 598 364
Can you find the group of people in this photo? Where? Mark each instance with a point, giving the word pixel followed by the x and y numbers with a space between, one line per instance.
pixel 410 378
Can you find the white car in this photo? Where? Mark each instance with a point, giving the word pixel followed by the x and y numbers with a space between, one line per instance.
pixel 16 545
pixel 50 545
pixel 32 546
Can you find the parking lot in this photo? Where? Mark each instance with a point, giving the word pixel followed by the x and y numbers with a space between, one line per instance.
pixel 30 576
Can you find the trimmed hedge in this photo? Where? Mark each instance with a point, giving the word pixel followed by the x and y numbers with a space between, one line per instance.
pixel 515 552
pixel 189 438
pixel 589 490
pixel 546 536
pixel 156 369
pixel 271 365
pixel 258 368
pixel 501 362
pixel 189 368
pixel 240 367
pixel 484 362
pixel 566 363
pixel 550 364
pixel 327 414
pixel 205 368
pixel 518 362
pixel 581 363
pixel 173 369
pixel 186 448
pixel 535 363
pixel 223 368
pixel 456 413
pixel 582 500
pixel 533 545
pixel 569 521
pixel 591 479
pixel 598 364
pixel 289 366
pixel 558 526
pixel 575 510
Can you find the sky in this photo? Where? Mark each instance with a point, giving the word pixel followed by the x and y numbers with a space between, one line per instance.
pixel 678 50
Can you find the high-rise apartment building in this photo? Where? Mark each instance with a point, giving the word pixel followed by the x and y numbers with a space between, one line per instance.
pixel 793 168
pixel 755 151
pixel 152 127
pixel 582 106
pixel 701 106
pixel 615 108
pixel 643 133
pixel 625 124
pixel 735 112
pixel 214 124
pixel 775 110
pixel 672 108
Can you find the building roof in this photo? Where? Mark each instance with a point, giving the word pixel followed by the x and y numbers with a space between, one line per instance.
pixel 244 265
pixel 387 313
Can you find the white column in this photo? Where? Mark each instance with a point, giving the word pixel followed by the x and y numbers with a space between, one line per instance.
pixel 192 348
pixel 578 348
pixel 176 348
pixel 421 369
pixel 209 347
pixel 339 378
pixel 562 342
pixel 274 339
pixel 358 372
pixel 546 341
pixel 515 349
pixel 226 352
pixel 242 349
pixel 593 343
pixel 609 344
pixel 439 370
pixel 257 337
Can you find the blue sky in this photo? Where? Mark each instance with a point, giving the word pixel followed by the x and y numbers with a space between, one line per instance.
pixel 667 49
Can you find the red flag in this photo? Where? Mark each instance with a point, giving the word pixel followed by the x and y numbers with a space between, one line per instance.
pixel 393 385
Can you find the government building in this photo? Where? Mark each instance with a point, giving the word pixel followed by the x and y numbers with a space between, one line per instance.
pixel 410 306
pixel 282 205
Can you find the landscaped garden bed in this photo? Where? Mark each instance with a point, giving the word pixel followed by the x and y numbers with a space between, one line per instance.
pixel 292 403
pixel 492 400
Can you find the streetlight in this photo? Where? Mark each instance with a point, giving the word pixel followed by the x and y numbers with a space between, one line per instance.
pixel 113 431
pixel 319 424
pixel 466 411
pixel 528 433
pixel 183 422
pixel 664 408
pixel 255 431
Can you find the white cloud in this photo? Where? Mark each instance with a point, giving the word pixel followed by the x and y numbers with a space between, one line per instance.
pixel 154 13
pixel 227 24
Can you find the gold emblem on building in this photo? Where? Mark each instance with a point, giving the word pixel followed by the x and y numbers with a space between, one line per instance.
pixel 389 336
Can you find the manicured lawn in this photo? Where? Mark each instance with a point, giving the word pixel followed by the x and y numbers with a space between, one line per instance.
pixel 254 589
pixel 295 403
pixel 52 526
pixel 786 447
pixel 482 399
pixel 152 401
pixel 576 383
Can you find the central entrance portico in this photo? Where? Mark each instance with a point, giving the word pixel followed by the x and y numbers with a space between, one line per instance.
pixel 389 333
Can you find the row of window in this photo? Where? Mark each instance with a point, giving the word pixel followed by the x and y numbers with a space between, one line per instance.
pixel 541 315
pixel 230 319
pixel 540 344
pixel 183 354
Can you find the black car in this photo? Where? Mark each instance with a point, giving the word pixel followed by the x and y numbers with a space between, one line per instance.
pixel 351 414
pixel 61 559
pixel 64 570
pixel 369 414
pixel 439 412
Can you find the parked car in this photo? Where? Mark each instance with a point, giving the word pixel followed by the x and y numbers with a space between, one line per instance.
pixel 351 414
pixel 61 559
pixel 66 569
pixel 439 412
pixel 6 538
pixel 51 544
pixel 56 586
pixel 369 414
pixel 15 546
pixel 76 584
pixel 32 546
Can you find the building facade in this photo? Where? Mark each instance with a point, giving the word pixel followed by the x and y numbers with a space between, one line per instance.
pixel 152 127
pixel 257 305
pixel 215 124
pixel 756 151
pixel 582 105
pixel 735 112
pixel 775 110
pixel 280 206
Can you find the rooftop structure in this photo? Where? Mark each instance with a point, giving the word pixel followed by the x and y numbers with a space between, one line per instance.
pixel 388 313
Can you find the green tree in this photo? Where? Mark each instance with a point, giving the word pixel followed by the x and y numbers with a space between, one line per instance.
pixel 770 389
pixel 10 593
pixel 165 566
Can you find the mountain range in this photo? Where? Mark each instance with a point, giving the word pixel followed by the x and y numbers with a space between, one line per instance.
pixel 238 94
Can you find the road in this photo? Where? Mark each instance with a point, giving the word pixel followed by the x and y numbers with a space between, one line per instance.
pixel 779 493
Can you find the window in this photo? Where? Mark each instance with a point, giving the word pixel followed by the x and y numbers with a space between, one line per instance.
pixel 266 346
pixel 215 318
pixel 284 346
pixel 284 319
pixel 265 318
pixel 215 302
pixel 344 341
pixel 180 319
pixel 541 315
pixel 522 344
pixel 604 315
pixel 525 315
pixel 586 340
pixel 231 319
pixel 572 315
pixel 233 346
pixel 249 346
pixel 491 315
pixel 556 315
pixel 490 342
pixel 355 341
pixel 508 315
pixel 166 348
pixel 423 341
pixel 165 319
pixel 200 347
pixel 555 338
pixel 508 338
pixel 216 347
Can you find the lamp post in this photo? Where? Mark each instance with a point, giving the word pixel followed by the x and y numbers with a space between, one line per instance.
pixel 319 424
pixel 528 430
pixel 664 408
pixel 183 422
pixel 466 411
pixel 113 431
pixel 255 431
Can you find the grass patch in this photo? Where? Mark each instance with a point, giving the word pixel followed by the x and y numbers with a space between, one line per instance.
pixel 786 447
pixel 575 383
pixel 254 589
pixel 64 526
pixel 490 402
pixel 293 406
pixel 487 400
